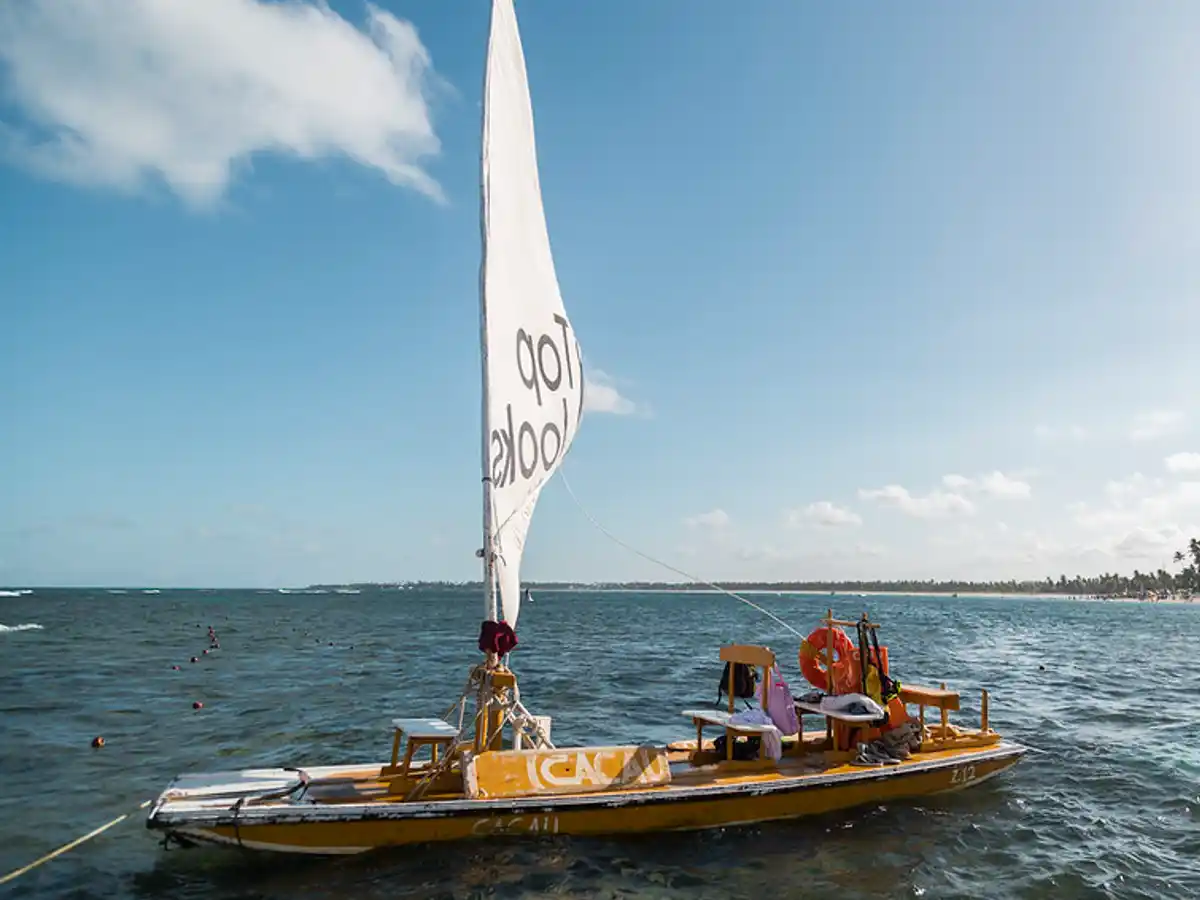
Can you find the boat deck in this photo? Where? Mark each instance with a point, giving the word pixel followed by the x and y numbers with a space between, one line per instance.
pixel 367 785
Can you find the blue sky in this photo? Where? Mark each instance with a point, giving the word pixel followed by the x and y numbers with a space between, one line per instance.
pixel 864 292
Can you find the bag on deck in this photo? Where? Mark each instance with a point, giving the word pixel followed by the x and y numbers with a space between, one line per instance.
pixel 780 705
pixel 745 681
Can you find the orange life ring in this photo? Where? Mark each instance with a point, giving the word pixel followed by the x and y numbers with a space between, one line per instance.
pixel 845 662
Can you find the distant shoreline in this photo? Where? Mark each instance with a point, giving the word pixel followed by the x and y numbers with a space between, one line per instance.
pixel 465 588
pixel 840 591
pixel 850 595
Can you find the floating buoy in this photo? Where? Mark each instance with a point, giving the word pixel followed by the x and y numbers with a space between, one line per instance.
pixel 195 659
pixel 174 668
pixel 197 705
pixel 97 742
pixel 206 653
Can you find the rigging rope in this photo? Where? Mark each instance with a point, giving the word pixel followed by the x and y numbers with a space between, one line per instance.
pixel 4 879
pixel 96 832
pixel 658 562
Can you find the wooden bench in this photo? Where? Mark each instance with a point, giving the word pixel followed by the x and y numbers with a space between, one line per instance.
pixel 749 655
pixel 938 698
pixel 926 696
pixel 720 718
pixel 816 710
pixel 433 733
pixel 733 730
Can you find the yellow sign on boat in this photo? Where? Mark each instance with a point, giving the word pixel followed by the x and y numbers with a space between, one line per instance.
pixel 583 770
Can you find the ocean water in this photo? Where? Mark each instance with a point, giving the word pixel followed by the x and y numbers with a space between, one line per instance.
pixel 1107 692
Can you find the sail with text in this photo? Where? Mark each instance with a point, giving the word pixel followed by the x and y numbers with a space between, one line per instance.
pixel 533 370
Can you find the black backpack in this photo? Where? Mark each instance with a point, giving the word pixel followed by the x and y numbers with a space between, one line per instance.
pixel 747 749
pixel 745 681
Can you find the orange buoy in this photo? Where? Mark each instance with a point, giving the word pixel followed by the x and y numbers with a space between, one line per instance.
pixel 845 663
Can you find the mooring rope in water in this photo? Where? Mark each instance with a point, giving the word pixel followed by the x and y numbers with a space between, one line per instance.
pixel 17 873
pixel 658 562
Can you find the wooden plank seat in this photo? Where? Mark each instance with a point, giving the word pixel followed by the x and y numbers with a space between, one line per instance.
pixel 436 734
pixel 733 730
pixel 736 654
pixel 720 718
pixel 816 710
pixel 940 698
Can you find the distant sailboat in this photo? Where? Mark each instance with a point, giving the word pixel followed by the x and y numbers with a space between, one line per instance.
pixel 496 771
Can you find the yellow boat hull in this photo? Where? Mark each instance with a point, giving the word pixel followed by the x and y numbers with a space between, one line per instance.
pixel 701 798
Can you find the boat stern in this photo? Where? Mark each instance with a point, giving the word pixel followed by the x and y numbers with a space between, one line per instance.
pixel 192 800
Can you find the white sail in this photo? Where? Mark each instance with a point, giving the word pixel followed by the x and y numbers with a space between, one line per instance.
pixel 533 373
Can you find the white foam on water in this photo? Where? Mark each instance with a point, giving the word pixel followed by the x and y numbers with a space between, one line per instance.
pixel 28 626
pixel 15 593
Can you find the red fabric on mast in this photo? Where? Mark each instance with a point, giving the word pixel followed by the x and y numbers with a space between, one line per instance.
pixel 497 637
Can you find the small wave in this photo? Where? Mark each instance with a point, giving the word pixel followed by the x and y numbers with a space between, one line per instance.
pixel 152 591
pixel 28 626
pixel 15 593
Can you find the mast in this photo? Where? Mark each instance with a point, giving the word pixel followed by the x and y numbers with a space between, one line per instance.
pixel 488 552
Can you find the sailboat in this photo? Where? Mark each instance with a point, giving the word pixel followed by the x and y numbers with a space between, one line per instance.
pixel 488 766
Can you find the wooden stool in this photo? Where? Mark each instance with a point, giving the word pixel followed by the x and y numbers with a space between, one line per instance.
pixel 432 733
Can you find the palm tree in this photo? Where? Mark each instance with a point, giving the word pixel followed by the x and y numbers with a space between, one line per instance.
pixel 1190 576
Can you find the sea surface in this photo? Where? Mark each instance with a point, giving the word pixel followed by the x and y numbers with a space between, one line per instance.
pixel 1108 693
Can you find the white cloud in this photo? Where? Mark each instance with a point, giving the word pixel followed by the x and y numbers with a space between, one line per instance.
pixel 602 396
pixel 825 513
pixel 118 93
pixel 1183 462
pixel 1156 424
pixel 716 518
pixel 998 545
pixel 1150 543
pixel 994 484
pixel 935 504
pixel 1142 518
pixel 772 553
pixel 1062 432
